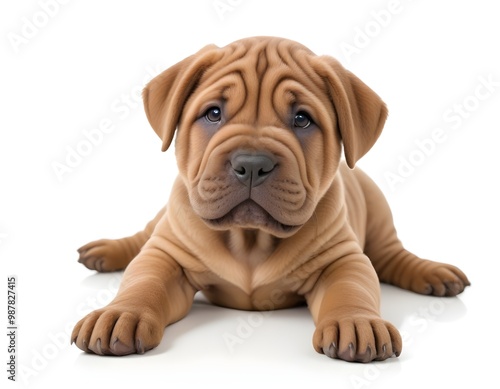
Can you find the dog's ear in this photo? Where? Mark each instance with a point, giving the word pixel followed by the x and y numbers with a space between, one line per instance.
pixel 165 95
pixel 361 113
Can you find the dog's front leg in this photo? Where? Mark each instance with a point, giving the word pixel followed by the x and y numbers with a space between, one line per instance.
pixel 345 306
pixel 154 293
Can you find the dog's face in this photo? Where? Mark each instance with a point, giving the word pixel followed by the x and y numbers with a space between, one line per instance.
pixel 261 124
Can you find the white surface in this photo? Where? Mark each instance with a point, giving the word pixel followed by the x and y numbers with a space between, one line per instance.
pixel 78 69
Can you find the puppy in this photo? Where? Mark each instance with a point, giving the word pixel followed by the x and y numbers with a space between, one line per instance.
pixel 264 214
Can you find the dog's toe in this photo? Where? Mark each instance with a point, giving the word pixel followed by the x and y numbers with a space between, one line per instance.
pixel 330 351
pixel 368 356
pixel 452 288
pixel 119 348
pixel 348 354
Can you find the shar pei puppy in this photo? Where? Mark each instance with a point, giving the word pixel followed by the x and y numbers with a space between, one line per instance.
pixel 268 210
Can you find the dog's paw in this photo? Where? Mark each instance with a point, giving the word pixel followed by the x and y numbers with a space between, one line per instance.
pixel 103 255
pixel 117 331
pixel 357 339
pixel 438 279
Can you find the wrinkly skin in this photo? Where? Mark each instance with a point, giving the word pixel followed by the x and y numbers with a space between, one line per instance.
pixel 263 215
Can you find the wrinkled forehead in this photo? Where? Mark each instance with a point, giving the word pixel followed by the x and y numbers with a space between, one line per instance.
pixel 254 73
pixel 255 59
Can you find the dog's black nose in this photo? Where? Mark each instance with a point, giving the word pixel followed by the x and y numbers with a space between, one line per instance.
pixel 252 169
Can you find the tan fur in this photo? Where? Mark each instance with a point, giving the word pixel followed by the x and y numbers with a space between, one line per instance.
pixel 311 230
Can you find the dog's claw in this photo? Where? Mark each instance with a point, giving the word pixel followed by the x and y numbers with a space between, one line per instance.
pixel 120 348
pixel 331 351
pixel 98 347
pixel 139 348
pixel 348 354
pixel 351 351
pixel 453 288
pixel 368 355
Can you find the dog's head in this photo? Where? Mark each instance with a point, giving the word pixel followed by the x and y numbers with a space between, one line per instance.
pixel 261 125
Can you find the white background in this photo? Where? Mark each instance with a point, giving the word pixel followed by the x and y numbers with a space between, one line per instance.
pixel 82 63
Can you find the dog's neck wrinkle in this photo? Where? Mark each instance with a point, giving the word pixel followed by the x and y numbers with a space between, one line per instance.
pixel 251 247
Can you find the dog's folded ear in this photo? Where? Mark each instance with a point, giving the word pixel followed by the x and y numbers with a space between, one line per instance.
pixel 361 113
pixel 165 95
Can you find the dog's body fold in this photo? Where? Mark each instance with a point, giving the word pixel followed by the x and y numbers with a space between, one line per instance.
pixel 263 214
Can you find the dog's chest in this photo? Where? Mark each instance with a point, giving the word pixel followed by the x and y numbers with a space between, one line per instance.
pixel 250 247
pixel 267 297
pixel 244 283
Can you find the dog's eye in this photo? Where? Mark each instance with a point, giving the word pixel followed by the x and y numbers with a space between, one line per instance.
pixel 213 114
pixel 302 120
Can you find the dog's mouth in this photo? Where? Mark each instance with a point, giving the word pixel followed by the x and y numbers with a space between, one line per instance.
pixel 250 215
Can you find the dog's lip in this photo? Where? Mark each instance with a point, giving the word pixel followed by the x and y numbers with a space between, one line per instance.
pixel 248 214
